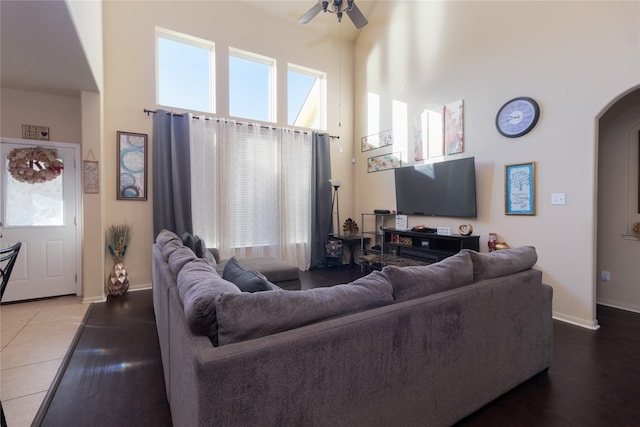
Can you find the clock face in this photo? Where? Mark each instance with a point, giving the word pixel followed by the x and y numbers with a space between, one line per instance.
pixel 517 117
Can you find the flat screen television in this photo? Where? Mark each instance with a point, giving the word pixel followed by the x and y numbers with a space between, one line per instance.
pixel 437 189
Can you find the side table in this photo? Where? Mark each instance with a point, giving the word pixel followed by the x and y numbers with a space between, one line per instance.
pixel 350 242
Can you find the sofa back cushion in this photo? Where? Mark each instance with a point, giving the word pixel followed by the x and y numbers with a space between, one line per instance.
pixel 199 285
pixel 244 316
pixel 179 257
pixel 502 262
pixel 421 281
pixel 165 236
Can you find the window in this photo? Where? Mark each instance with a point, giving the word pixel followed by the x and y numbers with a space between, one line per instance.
pixel 251 86
pixel 306 92
pixel 32 205
pixel 185 71
pixel 261 202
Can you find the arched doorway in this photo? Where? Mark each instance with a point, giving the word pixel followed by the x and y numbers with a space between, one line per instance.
pixel 618 207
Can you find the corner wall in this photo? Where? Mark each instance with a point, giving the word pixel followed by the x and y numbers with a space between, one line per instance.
pixel 573 58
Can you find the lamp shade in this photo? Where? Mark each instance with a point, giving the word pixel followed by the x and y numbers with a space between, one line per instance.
pixel 336 182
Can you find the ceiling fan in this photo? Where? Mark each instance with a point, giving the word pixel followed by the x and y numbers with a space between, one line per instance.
pixel 338 7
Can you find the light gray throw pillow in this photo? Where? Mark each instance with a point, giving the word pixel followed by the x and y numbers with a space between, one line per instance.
pixel 420 281
pixel 502 262
pixel 244 316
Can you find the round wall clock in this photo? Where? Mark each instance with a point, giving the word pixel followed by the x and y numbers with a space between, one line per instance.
pixel 517 117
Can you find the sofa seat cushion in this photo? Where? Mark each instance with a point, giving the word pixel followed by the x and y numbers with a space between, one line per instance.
pixel 502 262
pixel 198 286
pixel 273 269
pixel 421 281
pixel 244 316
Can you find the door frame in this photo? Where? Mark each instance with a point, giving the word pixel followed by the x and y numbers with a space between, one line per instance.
pixel 77 177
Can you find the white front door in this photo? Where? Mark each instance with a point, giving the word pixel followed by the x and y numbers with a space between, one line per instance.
pixel 43 217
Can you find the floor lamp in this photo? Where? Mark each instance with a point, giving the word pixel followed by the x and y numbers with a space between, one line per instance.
pixel 336 183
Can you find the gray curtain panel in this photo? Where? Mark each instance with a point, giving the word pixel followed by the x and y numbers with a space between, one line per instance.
pixel 171 173
pixel 320 197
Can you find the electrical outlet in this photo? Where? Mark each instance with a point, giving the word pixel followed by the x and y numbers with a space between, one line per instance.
pixel 605 275
pixel 557 198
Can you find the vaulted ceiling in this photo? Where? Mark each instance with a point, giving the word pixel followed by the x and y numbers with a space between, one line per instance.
pixel 40 49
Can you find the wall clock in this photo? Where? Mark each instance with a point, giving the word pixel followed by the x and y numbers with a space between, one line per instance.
pixel 517 117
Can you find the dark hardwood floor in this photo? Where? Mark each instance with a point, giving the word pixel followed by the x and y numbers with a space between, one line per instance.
pixel 114 375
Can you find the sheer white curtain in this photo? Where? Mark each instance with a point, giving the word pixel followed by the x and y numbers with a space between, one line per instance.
pixel 251 189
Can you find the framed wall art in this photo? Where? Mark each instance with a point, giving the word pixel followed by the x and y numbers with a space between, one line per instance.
pixel 383 162
pixel 377 140
pixel 90 177
pixel 454 127
pixel 132 166
pixel 519 189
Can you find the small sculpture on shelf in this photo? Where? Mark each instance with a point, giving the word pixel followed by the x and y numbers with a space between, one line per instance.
pixel 465 229
pixel 350 228
pixel 494 245
pixel 493 237
pixel 501 245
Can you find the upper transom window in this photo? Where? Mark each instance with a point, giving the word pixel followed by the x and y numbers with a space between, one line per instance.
pixel 185 71
pixel 252 86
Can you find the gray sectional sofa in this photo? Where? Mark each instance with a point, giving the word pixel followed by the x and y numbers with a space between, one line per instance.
pixel 412 346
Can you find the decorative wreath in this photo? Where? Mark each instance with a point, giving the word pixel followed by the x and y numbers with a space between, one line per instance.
pixel 34 165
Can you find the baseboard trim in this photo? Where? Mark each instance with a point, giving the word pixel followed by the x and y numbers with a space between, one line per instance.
pixel 91 300
pixel 619 307
pixel 592 325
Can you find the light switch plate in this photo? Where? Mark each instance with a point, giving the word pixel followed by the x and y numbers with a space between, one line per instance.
pixel 557 198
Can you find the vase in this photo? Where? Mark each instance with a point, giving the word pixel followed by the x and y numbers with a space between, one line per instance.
pixel 118 281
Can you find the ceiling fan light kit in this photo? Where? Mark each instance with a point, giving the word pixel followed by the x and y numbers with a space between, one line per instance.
pixel 339 7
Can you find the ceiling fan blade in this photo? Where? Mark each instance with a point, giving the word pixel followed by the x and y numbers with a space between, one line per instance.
pixel 357 17
pixel 310 14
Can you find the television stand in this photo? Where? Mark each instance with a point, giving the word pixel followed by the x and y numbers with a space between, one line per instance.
pixel 425 248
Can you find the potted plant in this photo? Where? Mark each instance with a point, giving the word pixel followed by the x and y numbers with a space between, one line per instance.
pixel 119 237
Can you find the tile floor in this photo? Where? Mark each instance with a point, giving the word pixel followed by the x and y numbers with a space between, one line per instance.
pixel 34 338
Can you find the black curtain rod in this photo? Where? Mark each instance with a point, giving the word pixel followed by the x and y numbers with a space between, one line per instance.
pixel 148 112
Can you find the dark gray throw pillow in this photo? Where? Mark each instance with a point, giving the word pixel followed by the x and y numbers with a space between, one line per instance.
pixel 202 251
pixel 243 278
pixel 189 241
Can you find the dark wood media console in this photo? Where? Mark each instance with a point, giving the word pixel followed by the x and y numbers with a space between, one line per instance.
pixel 427 247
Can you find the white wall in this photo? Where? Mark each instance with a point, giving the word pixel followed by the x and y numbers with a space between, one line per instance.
pixel 574 58
pixel 129 57
pixel 618 161
pixel 87 18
